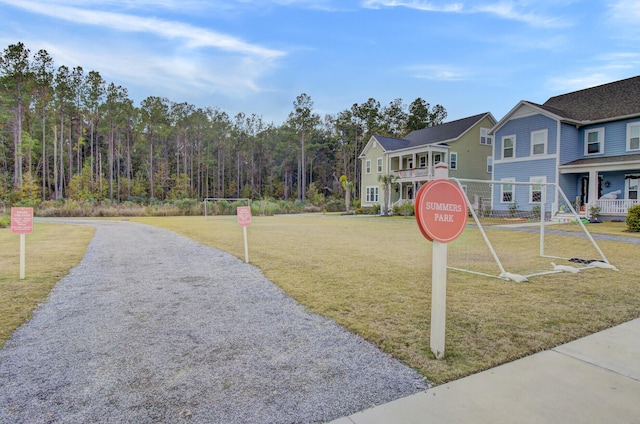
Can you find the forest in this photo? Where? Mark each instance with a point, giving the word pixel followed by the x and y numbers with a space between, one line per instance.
pixel 66 133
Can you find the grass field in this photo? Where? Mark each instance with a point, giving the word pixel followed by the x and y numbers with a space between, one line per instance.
pixel 373 275
pixel 50 252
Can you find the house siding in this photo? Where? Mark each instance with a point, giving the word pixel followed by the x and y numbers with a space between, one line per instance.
pixel 522 129
pixel 571 147
pixel 372 152
pixel 472 155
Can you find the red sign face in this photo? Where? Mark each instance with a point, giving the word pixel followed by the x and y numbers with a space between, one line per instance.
pixel 22 220
pixel 441 211
pixel 244 216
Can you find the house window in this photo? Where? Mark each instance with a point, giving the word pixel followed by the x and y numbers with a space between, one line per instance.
pixel 633 136
pixel 594 141
pixel 489 164
pixel 485 138
pixel 631 182
pixel 437 158
pixel 367 166
pixel 410 164
pixel 423 161
pixel 535 191
pixel 453 160
pixel 507 190
pixel 379 165
pixel 509 147
pixel 539 143
pixel 372 194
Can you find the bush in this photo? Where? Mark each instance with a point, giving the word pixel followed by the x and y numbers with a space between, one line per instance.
pixel 5 221
pixel 633 219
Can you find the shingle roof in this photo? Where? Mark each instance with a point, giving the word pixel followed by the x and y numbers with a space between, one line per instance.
pixel 443 132
pixel 390 144
pixel 604 160
pixel 607 101
pixel 431 135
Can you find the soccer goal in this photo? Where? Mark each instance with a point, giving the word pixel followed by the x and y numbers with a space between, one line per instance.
pixel 223 205
pixel 514 232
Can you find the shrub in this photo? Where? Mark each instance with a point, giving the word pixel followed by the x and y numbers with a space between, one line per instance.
pixel 633 219
pixel 5 221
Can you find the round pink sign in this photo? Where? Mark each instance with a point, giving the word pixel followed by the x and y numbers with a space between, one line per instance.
pixel 441 210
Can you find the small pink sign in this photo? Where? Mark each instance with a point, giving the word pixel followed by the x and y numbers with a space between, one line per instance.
pixel 22 220
pixel 244 216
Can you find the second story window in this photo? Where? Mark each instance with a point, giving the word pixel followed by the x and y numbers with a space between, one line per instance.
pixel 423 161
pixel 633 136
pixel 489 164
pixel 453 160
pixel 367 166
pixel 485 138
pixel 594 141
pixel 379 166
pixel 539 142
pixel 509 147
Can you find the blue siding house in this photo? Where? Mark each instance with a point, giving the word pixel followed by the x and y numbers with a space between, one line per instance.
pixel 587 141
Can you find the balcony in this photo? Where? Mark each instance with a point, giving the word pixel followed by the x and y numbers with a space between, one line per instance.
pixel 425 173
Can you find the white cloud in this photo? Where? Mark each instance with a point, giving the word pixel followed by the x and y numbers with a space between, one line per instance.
pixel 194 37
pixel 508 10
pixel 437 72
pixel 626 11
pixel 422 5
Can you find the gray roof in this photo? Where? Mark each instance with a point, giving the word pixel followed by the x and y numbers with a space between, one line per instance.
pixel 604 102
pixel 603 160
pixel 431 135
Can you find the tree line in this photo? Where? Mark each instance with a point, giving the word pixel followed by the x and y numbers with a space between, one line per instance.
pixel 66 133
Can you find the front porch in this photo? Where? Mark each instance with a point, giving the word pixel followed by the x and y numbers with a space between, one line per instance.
pixel 615 208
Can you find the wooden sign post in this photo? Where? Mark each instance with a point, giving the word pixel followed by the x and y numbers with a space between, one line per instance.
pixel 22 223
pixel 244 220
pixel 441 213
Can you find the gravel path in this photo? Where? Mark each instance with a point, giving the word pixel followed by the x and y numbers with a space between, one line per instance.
pixel 152 327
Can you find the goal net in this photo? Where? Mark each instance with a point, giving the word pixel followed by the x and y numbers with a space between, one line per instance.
pixel 513 232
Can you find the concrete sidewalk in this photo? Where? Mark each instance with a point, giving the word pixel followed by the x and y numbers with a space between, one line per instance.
pixel 595 379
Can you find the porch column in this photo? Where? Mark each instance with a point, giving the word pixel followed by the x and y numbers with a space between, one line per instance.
pixel 592 199
pixel 430 164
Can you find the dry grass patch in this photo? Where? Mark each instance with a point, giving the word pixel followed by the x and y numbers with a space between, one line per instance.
pixel 373 275
pixel 51 251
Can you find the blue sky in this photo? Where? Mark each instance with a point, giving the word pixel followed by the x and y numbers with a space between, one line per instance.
pixel 256 56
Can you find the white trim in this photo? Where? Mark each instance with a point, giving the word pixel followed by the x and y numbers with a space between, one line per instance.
pixel 629 126
pixel 370 192
pixel 513 192
pixel 451 162
pixel 523 159
pixel 512 136
pixel 600 132
pixel 545 143
pixel 537 180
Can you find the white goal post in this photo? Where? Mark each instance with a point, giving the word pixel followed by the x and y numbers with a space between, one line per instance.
pixel 515 221
pixel 226 199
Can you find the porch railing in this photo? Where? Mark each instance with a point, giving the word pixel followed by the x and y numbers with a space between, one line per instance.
pixel 414 172
pixel 616 207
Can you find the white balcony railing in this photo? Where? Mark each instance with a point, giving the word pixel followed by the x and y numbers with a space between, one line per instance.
pixel 426 172
pixel 615 207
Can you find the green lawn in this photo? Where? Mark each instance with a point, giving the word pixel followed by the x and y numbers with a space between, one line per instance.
pixel 373 275
pixel 51 251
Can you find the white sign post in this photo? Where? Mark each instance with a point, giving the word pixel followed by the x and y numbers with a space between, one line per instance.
pixel 244 220
pixel 441 213
pixel 22 223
